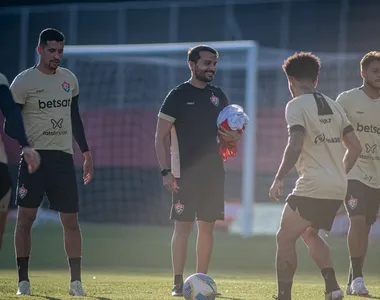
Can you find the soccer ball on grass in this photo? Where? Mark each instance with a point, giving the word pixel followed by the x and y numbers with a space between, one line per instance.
pixel 199 287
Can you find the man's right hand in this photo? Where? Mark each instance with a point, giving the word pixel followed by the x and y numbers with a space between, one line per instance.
pixel 170 183
pixel 32 159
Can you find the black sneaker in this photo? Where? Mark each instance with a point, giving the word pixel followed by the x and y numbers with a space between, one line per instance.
pixel 177 290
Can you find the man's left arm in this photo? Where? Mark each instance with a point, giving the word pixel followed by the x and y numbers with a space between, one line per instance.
pixel 297 128
pixel 80 137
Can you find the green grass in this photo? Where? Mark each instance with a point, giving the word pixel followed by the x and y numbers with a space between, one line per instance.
pixel 122 262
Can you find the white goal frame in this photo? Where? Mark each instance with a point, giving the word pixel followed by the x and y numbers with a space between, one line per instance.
pixel 250 101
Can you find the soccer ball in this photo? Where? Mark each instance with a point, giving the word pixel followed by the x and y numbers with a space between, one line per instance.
pixel 199 287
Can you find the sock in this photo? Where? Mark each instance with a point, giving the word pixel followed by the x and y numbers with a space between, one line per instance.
pixel 75 268
pixel 284 290
pixel 178 279
pixel 22 268
pixel 330 280
pixel 349 280
pixel 356 263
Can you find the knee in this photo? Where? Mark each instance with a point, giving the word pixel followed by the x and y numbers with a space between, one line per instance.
pixel 359 222
pixel 205 228
pixel 25 220
pixel 286 238
pixel 310 235
pixel 70 221
pixel 183 228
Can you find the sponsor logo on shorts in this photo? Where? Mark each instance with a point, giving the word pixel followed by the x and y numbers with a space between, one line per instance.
pixel 22 191
pixel 56 128
pixel 352 203
pixel 179 207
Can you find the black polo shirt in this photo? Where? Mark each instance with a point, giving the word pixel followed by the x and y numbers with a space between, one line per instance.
pixel 194 112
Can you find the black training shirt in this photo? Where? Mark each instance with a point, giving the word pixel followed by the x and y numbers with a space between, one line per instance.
pixel 194 112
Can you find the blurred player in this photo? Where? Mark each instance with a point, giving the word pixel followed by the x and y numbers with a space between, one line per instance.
pixel 12 113
pixel 48 96
pixel 317 127
pixel 362 106
pixel 196 173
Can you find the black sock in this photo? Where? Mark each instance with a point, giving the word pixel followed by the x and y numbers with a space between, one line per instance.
pixel 349 280
pixel 75 268
pixel 284 290
pixel 356 263
pixel 330 280
pixel 22 268
pixel 178 279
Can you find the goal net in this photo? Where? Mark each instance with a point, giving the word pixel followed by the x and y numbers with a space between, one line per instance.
pixel 121 90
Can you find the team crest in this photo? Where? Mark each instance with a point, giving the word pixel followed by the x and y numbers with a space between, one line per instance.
pixel 179 207
pixel 214 100
pixel 352 203
pixel 22 191
pixel 66 86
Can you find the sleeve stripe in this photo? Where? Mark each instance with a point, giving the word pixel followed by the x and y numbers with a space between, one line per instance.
pixel 296 128
pixel 166 117
pixel 348 129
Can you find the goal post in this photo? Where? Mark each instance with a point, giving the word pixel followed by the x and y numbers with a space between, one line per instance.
pixel 107 70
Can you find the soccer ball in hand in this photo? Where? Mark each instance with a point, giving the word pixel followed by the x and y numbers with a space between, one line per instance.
pixel 199 287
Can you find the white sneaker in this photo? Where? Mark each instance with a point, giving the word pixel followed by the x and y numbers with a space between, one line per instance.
pixel 76 288
pixel 358 288
pixel 335 295
pixel 23 288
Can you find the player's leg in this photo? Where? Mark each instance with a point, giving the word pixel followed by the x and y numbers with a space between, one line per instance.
pixel 62 192
pixel 357 239
pixel 183 214
pixel 292 226
pixel 322 214
pixel 29 194
pixel 210 207
pixel 5 197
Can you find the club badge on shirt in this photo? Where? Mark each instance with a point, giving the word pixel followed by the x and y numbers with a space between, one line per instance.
pixel 214 100
pixel 66 86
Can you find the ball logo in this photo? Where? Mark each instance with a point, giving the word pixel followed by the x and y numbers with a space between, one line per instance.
pixel 179 207
pixel 214 100
pixel 66 86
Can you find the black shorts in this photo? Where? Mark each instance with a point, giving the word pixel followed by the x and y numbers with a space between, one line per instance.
pixel 5 186
pixel 319 212
pixel 56 178
pixel 362 200
pixel 201 195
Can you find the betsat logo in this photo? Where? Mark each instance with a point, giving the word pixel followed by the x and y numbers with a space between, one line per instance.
pixel 54 103
pixel 367 128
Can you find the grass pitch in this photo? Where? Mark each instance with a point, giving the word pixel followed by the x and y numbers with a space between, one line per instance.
pixel 134 263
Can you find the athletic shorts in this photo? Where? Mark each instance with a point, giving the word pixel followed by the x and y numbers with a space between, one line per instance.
pixel 319 212
pixel 5 186
pixel 200 195
pixel 362 200
pixel 56 178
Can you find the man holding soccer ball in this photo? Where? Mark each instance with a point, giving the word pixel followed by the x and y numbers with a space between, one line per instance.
pixel 196 173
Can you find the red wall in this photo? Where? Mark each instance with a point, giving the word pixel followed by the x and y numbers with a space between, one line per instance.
pixel 126 139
